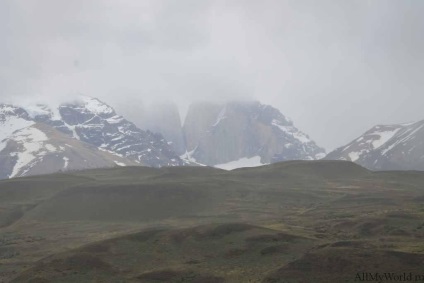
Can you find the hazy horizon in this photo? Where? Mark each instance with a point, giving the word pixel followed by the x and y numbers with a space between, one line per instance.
pixel 336 68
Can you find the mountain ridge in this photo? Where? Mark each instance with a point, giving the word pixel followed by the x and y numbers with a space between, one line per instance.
pixel 227 135
pixel 386 147
pixel 103 136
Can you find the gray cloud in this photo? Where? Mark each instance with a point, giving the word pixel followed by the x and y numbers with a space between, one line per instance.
pixel 335 67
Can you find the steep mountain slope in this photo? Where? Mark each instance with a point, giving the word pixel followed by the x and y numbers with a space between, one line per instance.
pixel 386 147
pixel 33 139
pixel 29 148
pixel 238 134
pixel 96 123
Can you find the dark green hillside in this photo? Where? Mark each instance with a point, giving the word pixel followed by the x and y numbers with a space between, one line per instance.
pixel 233 252
pixel 200 224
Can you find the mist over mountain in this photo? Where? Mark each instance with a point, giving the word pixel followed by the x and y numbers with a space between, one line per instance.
pixel 241 133
pixel 226 135
pixel 150 141
pixel 163 118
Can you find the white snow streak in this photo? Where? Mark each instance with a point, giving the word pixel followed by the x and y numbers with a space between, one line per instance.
pixel 221 116
pixel 292 131
pixel 66 159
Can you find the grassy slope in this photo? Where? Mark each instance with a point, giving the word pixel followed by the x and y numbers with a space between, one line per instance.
pixel 333 215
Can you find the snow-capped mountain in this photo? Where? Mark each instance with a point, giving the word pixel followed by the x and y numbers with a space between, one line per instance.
pixel 96 123
pixel 86 133
pixel 242 134
pixel 29 148
pixel 386 147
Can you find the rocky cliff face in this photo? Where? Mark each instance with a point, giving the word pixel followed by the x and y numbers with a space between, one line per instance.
pixel 218 134
pixel 386 147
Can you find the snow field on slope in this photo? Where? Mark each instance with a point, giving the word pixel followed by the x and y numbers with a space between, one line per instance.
pixel 33 146
pixel 254 161
pixel 95 106
pixel 11 125
pixel 383 137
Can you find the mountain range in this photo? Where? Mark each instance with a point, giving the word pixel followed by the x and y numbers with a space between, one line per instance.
pixel 73 136
pixel 88 133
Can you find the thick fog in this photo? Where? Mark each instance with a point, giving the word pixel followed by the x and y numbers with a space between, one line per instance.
pixel 335 67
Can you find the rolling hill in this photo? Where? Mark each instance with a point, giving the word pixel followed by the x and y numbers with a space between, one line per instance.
pixel 284 222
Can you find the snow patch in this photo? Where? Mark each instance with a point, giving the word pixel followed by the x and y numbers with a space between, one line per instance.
pixel 404 137
pixel 353 156
pixel 50 147
pixel 320 156
pixel 96 106
pixel 120 163
pixel 31 141
pixel 254 161
pixel 383 138
pixel 11 125
pixel 115 119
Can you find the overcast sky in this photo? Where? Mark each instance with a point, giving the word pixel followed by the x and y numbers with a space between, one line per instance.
pixel 335 67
